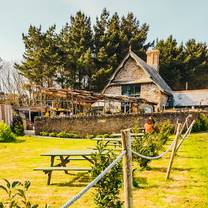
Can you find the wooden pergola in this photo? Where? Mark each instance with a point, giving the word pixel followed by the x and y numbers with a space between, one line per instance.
pixel 74 99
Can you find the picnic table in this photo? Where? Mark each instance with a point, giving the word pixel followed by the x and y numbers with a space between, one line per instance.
pixel 115 140
pixel 63 158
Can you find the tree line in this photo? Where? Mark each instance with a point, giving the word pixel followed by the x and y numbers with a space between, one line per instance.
pixel 84 56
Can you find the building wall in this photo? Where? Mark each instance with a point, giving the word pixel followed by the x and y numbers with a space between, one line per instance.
pixel 131 72
pixel 114 90
pixel 150 92
pixel 105 124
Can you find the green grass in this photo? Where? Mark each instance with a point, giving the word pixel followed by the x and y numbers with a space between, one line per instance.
pixel 186 189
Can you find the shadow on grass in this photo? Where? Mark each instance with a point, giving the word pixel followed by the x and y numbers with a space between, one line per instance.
pixel 164 170
pixel 140 182
pixel 13 142
pixel 81 179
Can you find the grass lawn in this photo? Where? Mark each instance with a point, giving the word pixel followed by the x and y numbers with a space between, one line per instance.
pixel 186 189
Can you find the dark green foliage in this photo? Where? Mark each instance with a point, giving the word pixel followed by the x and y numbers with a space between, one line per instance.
pixel 107 189
pixel 113 36
pixel 16 195
pixel 171 59
pixel 17 126
pixel 181 63
pixel 41 56
pixel 201 123
pixel 6 134
pixel 79 57
pixel 76 44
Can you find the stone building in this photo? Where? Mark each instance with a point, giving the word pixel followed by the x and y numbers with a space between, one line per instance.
pixel 135 77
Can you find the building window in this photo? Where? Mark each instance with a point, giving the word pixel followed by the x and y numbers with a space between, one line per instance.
pixel 125 107
pixel 131 90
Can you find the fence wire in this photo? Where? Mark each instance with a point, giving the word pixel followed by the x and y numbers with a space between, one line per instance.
pixel 91 184
pixel 156 157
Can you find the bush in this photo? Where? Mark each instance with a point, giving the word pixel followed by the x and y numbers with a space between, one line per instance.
pixel 164 128
pixel 6 134
pixel 107 189
pixel 44 133
pixel 17 126
pixel 63 135
pixel 201 123
pixel 89 136
pixel 52 134
pixel 151 144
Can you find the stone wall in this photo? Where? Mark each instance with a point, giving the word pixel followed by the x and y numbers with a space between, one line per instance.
pixel 104 124
pixel 130 72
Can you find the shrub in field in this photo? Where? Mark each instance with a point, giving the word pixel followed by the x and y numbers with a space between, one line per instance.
pixel 62 135
pixel 16 195
pixel 164 128
pixel 6 134
pixel 52 134
pixel 201 123
pixel 17 126
pixel 89 136
pixel 107 189
pixel 148 145
pixel 151 144
pixel 44 133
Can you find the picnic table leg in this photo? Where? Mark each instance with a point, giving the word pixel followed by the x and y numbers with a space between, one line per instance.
pixel 50 172
pixel 63 162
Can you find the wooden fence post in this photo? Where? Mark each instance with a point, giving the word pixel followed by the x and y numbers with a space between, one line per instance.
pixel 173 152
pixel 127 168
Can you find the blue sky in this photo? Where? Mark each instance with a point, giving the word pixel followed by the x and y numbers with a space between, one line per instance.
pixel 184 19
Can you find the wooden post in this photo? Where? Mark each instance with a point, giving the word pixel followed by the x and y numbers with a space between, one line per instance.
pixel 185 135
pixel 173 152
pixel 127 168
pixel 50 171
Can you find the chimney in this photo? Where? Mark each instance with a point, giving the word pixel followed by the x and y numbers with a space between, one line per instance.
pixel 153 58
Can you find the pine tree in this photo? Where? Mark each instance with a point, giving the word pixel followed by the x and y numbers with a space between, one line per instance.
pixel 40 56
pixel 135 35
pixel 171 61
pixel 77 46
pixel 195 64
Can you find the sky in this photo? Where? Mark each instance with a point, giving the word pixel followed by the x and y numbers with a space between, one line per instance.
pixel 184 19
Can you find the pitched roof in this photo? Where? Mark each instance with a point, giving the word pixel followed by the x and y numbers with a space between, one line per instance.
pixel 151 72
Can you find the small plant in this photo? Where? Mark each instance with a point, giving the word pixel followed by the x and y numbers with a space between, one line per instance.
pixel 6 134
pixel 201 123
pixel 62 135
pixel 151 144
pixel 17 126
pixel 107 189
pixel 148 145
pixel 44 133
pixel 164 128
pixel 52 134
pixel 16 195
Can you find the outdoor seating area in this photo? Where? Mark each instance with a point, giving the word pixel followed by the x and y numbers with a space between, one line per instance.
pixel 60 159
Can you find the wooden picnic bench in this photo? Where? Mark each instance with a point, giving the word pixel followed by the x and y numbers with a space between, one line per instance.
pixel 115 140
pixel 64 158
